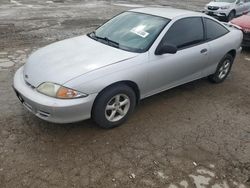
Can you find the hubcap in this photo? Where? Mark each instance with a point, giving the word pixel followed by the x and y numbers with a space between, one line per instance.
pixel 224 69
pixel 117 107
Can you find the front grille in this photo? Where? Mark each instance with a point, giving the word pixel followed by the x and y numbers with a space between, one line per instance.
pixel 212 8
pixel 43 114
pixel 29 107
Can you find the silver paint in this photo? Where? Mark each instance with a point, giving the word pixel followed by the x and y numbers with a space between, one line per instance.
pixel 89 66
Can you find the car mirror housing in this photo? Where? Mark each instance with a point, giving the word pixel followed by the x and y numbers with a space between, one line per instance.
pixel 166 49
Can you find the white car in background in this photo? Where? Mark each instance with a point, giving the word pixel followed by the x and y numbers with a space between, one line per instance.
pixel 227 9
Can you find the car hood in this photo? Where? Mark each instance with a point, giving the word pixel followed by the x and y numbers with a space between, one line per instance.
pixel 243 21
pixel 68 59
pixel 218 4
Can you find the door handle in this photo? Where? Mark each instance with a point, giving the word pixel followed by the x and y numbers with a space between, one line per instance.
pixel 204 51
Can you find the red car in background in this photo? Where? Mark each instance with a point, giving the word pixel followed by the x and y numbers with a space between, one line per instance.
pixel 244 23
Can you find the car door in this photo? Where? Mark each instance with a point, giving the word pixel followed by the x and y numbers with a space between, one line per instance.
pixel 169 70
pixel 240 7
pixel 217 41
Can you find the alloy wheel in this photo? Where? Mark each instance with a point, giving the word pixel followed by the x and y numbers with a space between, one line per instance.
pixel 117 107
pixel 224 69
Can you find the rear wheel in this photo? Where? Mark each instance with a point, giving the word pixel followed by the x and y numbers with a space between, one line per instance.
pixel 223 69
pixel 113 106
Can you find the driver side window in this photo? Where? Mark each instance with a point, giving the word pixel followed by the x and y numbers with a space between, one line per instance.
pixel 185 33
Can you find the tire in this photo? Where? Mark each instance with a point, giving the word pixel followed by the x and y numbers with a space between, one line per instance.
pixel 231 15
pixel 223 69
pixel 113 106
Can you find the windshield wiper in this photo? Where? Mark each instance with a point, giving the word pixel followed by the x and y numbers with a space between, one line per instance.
pixel 106 39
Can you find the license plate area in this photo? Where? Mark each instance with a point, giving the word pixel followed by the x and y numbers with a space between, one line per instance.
pixel 25 104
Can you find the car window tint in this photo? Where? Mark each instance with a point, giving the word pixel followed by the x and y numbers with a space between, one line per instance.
pixel 185 32
pixel 214 29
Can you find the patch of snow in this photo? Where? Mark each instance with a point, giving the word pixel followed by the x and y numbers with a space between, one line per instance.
pixel 200 181
pixel 205 172
pixel 162 175
pixel 15 2
pixel 6 64
pixel 224 185
pixel 184 183
pixel 3 53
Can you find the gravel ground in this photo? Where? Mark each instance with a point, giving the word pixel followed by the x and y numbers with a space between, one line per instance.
pixel 196 135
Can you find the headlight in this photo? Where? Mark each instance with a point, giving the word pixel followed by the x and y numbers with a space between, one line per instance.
pixel 225 7
pixel 58 91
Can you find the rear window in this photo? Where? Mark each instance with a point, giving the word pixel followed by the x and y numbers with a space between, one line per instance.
pixel 214 29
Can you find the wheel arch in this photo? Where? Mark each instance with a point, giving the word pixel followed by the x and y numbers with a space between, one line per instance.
pixel 232 53
pixel 128 83
pixel 234 11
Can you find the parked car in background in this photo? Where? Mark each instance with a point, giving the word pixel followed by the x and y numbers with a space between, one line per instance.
pixel 137 54
pixel 227 9
pixel 244 23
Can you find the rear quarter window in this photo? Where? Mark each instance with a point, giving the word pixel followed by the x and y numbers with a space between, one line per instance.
pixel 214 30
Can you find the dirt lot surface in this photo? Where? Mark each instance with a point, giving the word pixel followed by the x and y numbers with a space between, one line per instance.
pixel 196 135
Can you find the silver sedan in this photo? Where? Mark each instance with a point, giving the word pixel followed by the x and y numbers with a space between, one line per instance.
pixel 104 74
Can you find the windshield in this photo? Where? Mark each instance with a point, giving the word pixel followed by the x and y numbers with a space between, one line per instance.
pixel 226 1
pixel 130 31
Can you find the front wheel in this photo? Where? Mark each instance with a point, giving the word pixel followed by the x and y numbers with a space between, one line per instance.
pixel 223 69
pixel 113 106
pixel 231 16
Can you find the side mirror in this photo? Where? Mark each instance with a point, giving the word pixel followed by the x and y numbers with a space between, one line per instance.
pixel 166 49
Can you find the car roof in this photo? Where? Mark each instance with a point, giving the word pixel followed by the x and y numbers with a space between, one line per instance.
pixel 169 13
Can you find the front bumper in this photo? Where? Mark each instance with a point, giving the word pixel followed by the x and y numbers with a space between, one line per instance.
pixel 52 109
pixel 217 13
